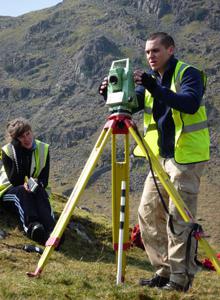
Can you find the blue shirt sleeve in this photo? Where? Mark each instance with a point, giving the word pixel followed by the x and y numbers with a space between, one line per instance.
pixel 189 97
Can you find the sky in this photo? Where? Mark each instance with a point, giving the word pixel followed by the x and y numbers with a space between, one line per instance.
pixel 16 8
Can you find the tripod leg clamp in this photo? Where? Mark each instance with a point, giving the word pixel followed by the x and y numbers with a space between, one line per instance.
pixel 126 246
pixel 53 241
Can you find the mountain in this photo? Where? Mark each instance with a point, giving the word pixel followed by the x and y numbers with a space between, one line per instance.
pixel 53 60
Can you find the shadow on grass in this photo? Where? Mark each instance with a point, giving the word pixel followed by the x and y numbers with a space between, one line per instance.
pixel 85 239
pixel 98 246
pixel 8 220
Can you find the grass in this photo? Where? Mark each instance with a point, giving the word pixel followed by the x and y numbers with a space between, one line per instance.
pixel 83 270
pixel 168 19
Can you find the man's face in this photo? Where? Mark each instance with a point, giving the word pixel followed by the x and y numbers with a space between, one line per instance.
pixel 26 139
pixel 158 55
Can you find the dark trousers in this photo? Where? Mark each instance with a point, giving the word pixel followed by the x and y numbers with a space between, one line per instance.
pixel 30 207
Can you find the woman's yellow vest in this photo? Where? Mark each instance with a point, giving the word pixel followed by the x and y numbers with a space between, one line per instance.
pixel 191 130
pixel 38 162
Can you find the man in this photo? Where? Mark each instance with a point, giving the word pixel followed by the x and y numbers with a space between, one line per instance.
pixel 175 125
pixel 24 157
pixel 176 129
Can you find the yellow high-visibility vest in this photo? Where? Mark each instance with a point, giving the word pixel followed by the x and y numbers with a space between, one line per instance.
pixel 192 141
pixel 38 162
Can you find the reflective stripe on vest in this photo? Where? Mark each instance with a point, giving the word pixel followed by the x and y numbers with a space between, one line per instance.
pixel 4 182
pixel 191 131
pixel 148 110
pixel 195 127
pixel 39 159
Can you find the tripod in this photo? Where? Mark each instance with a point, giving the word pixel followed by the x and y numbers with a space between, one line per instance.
pixel 119 123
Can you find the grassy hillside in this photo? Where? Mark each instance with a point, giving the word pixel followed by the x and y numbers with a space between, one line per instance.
pixel 84 268
pixel 52 62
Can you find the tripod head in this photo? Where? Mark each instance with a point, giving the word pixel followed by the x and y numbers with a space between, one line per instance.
pixel 121 95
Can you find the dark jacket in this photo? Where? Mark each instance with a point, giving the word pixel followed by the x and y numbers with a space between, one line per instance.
pixel 24 157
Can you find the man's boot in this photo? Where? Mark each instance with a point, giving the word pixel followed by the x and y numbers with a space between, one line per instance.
pixel 156 281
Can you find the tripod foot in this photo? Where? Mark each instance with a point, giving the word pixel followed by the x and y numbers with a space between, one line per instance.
pixel 34 274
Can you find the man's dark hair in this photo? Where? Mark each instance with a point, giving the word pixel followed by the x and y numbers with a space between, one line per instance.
pixel 164 37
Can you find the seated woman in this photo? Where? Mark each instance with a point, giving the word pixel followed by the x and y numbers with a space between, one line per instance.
pixel 25 157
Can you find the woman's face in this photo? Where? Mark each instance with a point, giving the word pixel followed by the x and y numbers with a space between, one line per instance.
pixel 26 139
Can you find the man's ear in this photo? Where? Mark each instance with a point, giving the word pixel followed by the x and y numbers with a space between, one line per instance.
pixel 171 50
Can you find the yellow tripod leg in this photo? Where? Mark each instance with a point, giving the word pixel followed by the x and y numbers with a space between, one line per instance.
pixel 175 196
pixel 120 172
pixel 71 203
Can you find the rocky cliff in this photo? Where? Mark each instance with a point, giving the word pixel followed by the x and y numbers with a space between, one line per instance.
pixel 52 61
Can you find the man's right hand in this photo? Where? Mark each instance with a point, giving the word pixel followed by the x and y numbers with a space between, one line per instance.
pixel 103 88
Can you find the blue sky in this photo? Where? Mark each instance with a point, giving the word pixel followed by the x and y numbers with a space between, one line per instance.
pixel 19 7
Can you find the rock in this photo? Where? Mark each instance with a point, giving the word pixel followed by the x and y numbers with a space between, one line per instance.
pixel 80 230
pixel 2 234
pixel 85 208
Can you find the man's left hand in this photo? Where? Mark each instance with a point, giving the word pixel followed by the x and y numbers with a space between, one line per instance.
pixel 142 78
